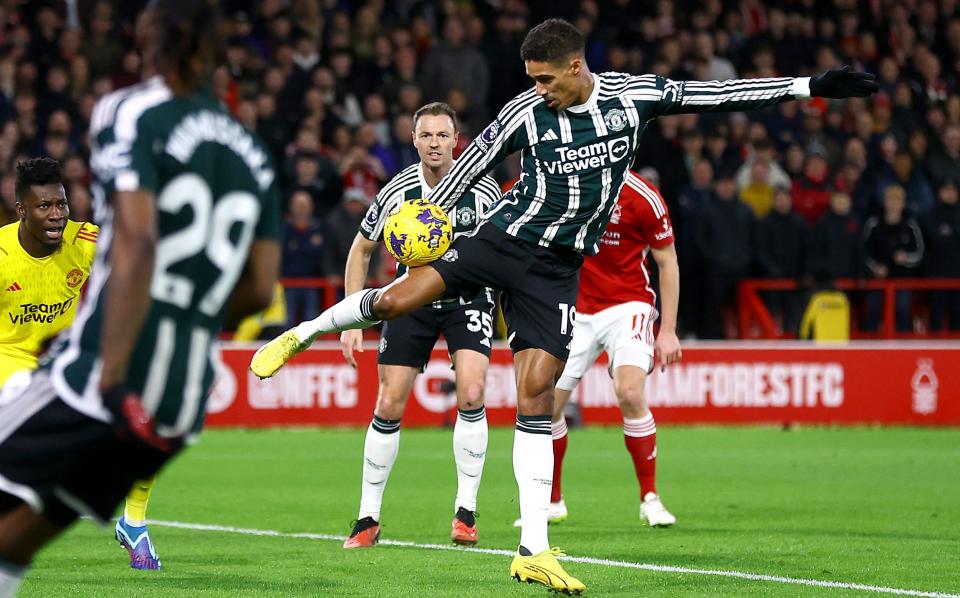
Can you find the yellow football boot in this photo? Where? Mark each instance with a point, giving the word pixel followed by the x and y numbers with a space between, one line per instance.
pixel 272 356
pixel 544 568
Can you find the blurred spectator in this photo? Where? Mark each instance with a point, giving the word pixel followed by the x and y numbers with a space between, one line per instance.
pixel 8 199
pixel 455 64
pixel 375 115
pixel 75 172
pixel 303 254
pixel 893 248
pixel 758 193
pixel 902 173
pixel 763 151
pixel 342 226
pixel 811 190
pixel 945 163
pixel 319 177
pixel 362 172
pixel 342 92
pixel 835 245
pixel 718 151
pixel 404 73
pixel 684 215
pixel 80 202
pixel 660 147
pixel 781 252
pixel 403 152
pixel 725 237
pixel 794 159
pixel 718 68
pixel 272 127
pixel 101 48
pixel 814 137
pixel 941 226
pixel 380 159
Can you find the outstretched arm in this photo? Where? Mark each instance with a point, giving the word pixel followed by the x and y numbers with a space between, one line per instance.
pixel 680 97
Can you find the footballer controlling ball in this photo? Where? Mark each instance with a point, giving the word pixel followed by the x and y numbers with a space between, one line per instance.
pixel 417 232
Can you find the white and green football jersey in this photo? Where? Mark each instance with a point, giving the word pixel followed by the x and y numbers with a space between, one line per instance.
pixel 215 192
pixel 574 162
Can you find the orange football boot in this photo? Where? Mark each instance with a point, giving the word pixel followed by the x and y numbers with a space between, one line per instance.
pixel 464 530
pixel 365 534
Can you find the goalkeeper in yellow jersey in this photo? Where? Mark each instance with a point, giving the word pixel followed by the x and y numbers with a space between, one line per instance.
pixel 45 260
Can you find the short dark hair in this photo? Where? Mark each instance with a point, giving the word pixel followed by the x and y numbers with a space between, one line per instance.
pixel 37 171
pixel 552 41
pixel 437 109
pixel 186 29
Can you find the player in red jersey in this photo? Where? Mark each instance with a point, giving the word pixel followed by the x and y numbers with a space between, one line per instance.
pixel 615 313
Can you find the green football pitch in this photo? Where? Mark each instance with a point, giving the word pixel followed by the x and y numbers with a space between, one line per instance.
pixel 761 512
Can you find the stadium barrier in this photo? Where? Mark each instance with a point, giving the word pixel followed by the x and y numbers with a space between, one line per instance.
pixel 902 382
pixel 756 322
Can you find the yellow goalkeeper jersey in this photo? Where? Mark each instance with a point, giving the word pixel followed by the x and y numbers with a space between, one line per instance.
pixel 38 296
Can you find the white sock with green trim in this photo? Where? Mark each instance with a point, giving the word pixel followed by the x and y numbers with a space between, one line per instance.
pixel 533 469
pixel 469 452
pixel 379 454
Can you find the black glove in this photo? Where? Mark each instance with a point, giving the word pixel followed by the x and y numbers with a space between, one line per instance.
pixel 843 84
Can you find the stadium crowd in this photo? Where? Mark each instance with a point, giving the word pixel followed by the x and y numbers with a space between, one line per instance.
pixel 813 191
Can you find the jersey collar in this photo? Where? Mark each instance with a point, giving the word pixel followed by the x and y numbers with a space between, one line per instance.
pixel 592 100
pixel 425 189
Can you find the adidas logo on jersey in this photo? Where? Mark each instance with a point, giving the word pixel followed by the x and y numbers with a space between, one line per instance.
pixel 15 287
pixel 549 136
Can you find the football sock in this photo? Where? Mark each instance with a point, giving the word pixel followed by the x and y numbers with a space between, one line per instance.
pixel 355 311
pixel 10 577
pixel 559 432
pixel 379 454
pixel 469 452
pixel 135 510
pixel 533 467
pixel 640 436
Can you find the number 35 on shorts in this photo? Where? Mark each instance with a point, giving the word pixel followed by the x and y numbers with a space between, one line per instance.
pixel 480 321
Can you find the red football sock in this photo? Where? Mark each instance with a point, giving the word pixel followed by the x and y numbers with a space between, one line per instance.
pixel 559 430
pixel 640 436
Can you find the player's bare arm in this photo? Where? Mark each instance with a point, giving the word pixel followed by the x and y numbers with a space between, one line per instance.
pixel 354 276
pixel 254 290
pixel 128 288
pixel 667 346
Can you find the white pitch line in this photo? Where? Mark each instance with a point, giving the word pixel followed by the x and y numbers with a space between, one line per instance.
pixel 575 559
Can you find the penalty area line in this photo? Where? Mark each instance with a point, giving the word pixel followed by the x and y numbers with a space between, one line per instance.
pixel 840 585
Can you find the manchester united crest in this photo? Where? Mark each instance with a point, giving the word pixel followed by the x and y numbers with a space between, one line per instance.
pixel 74 278
pixel 615 119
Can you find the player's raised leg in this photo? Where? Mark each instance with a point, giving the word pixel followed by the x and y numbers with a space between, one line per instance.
pixel 380 450
pixel 362 309
pixel 131 530
pixel 469 441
